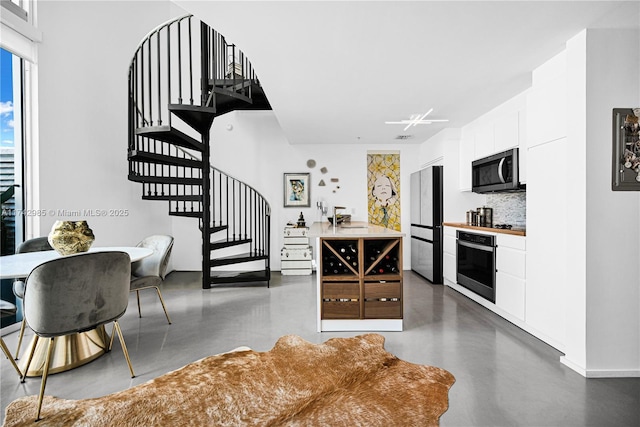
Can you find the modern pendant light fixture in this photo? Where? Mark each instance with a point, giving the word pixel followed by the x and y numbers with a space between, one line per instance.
pixel 417 119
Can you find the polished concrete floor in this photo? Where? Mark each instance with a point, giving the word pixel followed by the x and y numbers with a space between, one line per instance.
pixel 504 376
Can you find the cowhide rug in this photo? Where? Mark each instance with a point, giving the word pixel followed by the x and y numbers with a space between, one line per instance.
pixel 342 382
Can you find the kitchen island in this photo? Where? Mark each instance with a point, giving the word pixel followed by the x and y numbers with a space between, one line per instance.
pixel 359 277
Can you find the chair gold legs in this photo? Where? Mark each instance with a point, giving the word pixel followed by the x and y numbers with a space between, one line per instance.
pixel 45 374
pixel 20 336
pixel 7 353
pixel 30 358
pixel 138 299
pixel 164 307
pixel 116 328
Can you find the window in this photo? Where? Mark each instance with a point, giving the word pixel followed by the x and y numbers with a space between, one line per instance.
pixel 18 132
pixel 11 150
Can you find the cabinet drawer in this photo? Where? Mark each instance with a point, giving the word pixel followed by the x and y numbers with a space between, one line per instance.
pixel 295 264
pixel 290 231
pixel 296 241
pixel 511 261
pixel 294 254
pixel 341 290
pixel 450 268
pixel 383 309
pixel 383 300
pixel 341 300
pixel 375 290
pixel 510 294
pixel 450 243
pixel 341 309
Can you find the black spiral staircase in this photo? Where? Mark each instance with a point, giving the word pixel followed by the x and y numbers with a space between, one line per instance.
pixel 184 75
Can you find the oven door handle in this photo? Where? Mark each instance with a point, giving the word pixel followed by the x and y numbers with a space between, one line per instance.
pixel 476 246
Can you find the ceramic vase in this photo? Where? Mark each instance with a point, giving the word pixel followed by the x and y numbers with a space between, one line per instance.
pixel 71 237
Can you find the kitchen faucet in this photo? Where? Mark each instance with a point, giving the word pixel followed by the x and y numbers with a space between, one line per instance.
pixel 335 218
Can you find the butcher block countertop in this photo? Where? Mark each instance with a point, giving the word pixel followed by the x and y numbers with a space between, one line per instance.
pixel 515 232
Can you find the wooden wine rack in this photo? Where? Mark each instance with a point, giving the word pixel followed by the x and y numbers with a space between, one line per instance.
pixel 361 278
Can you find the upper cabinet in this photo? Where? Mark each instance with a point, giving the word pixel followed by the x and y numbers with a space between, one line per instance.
pixel 496 131
pixel 467 153
pixel 547 103
pixel 507 132
pixel 485 140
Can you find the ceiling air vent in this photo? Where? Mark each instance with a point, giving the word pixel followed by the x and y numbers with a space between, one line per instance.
pixel 401 137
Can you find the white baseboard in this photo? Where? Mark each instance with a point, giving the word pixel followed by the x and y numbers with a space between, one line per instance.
pixel 601 373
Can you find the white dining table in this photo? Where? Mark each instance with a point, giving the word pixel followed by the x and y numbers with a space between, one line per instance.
pixel 20 265
pixel 70 351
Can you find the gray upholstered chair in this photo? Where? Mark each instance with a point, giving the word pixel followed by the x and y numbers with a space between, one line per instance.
pixel 37 244
pixel 8 309
pixel 149 272
pixel 76 293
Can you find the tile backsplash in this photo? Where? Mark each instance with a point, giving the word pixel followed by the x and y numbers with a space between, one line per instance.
pixel 509 208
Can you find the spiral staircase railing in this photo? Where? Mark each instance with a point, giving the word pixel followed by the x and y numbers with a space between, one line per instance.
pixel 180 79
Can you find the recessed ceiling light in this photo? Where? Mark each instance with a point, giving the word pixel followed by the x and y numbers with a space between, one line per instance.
pixel 417 119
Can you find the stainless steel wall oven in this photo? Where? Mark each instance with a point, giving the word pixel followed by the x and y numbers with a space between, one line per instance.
pixel 476 263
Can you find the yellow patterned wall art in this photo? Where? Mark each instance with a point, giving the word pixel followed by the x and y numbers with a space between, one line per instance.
pixel 383 182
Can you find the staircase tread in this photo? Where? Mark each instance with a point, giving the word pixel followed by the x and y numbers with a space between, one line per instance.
pixel 149 157
pixel 181 197
pixel 231 241
pixel 242 256
pixel 224 276
pixel 164 179
pixel 170 135
pixel 186 214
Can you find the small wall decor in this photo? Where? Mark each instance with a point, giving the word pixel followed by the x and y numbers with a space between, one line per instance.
pixel 625 169
pixel 297 190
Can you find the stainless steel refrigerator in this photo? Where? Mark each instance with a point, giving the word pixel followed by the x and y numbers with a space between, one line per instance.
pixel 426 223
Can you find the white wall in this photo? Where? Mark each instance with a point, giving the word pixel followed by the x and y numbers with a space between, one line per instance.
pixel 613 217
pixel 257 152
pixel 83 137
pixel 83 63
pixel 598 298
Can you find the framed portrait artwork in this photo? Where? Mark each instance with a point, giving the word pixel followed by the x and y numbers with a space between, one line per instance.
pixel 297 187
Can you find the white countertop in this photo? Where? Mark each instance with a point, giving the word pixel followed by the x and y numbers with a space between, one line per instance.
pixel 351 229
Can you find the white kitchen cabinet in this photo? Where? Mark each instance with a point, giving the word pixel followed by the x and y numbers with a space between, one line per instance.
pixel 485 141
pixel 524 148
pixel 547 103
pixel 467 155
pixel 547 214
pixel 511 274
pixel 507 132
pixel 449 255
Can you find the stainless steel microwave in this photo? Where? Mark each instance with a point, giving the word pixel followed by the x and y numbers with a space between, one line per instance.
pixel 496 173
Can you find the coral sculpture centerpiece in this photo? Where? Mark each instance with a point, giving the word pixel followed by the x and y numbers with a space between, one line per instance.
pixel 71 237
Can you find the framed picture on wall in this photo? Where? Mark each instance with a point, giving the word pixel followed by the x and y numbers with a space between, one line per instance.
pixel 297 188
pixel 626 150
